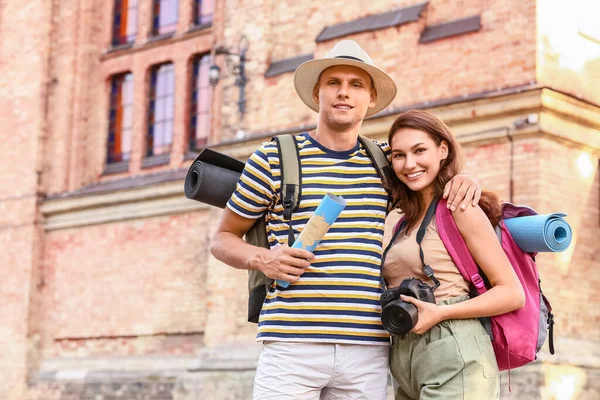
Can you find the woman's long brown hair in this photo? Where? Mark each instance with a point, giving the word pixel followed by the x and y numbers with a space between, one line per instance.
pixel 410 202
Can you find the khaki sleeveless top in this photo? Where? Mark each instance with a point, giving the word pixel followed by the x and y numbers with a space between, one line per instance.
pixel 403 261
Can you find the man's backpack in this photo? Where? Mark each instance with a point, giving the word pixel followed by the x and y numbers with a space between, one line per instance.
pixel 518 335
pixel 291 189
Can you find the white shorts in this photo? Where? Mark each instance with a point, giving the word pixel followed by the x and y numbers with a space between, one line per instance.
pixel 327 371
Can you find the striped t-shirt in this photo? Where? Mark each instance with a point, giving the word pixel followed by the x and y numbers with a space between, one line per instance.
pixel 337 298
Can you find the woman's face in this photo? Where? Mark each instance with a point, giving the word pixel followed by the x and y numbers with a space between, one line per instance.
pixel 416 158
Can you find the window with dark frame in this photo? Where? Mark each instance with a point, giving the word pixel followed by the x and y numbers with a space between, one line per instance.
pixel 161 105
pixel 203 11
pixel 164 16
pixel 200 104
pixel 120 118
pixel 124 22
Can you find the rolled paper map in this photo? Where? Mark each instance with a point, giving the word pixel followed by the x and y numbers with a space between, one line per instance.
pixel 539 233
pixel 317 226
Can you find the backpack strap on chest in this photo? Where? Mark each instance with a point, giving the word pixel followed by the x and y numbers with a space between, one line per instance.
pixel 457 248
pixel 380 160
pixel 291 178
pixel 382 165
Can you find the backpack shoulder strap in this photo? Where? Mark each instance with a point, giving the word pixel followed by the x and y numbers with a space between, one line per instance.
pixel 380 160
pixel 291 178
pixel 457 248
pixel 399 225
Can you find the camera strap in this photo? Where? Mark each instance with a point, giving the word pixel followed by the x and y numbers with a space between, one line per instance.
pixel 397 233
pixel 420 234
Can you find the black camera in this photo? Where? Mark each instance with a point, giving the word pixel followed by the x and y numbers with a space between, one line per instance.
pixel 399 317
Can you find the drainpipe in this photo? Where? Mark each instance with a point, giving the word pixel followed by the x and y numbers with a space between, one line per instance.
pixel 508 133
pixel 530 119
pixel 511 165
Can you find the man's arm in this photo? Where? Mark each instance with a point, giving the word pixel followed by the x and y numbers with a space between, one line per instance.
pixel 227 245
pixel 462 189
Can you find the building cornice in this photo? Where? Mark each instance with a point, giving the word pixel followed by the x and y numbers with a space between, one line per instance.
pixel 158 199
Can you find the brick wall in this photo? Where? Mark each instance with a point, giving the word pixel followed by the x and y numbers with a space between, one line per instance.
pixel 116 282
pixel 24 52
pixel 501 55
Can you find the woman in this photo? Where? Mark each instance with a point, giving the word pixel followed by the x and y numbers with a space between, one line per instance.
pixel 447 354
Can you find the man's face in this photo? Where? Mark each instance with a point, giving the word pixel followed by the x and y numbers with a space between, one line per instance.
pixel 344 94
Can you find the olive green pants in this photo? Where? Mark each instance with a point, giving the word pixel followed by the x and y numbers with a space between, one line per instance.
pixel 453 360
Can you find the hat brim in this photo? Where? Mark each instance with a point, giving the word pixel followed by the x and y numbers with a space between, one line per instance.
pixel 308 73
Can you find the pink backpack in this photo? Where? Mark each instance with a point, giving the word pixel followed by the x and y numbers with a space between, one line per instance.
pixel 518 335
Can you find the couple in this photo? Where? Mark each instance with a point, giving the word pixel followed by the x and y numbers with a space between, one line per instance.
pixel 322 336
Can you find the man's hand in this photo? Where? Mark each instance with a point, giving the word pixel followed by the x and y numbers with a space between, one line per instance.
pixel 462 189
pixel 282 263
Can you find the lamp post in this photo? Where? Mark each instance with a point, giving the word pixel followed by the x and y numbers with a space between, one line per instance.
pixel 236 63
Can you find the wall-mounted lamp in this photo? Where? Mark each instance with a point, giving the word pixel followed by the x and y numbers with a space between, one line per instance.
pixel 236 62
pixel 214 72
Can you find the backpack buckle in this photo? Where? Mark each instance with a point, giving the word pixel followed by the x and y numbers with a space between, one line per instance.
pixel 287 202
pixel 478 281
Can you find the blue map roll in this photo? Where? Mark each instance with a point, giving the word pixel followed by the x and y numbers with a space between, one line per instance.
pixel 539 233
pixel 317 226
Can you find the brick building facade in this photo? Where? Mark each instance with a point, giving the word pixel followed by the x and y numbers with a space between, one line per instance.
pixel 108 289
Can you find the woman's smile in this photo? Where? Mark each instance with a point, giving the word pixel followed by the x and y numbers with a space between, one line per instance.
pixel 413 176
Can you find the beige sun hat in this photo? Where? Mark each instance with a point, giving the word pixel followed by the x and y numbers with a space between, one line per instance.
pixel 345 52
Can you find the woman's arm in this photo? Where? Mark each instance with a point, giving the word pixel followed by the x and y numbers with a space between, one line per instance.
pixel 506 293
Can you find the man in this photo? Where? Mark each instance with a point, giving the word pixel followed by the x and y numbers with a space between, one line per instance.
pixel 322 336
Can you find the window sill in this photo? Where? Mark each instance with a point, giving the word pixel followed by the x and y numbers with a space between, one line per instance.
pixel 116 168
pixel 158 38
pixel 156 41
pixel 121 48
pixel 200 27
pixel 154 161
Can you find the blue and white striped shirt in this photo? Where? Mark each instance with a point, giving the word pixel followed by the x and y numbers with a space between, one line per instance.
pixel 337 298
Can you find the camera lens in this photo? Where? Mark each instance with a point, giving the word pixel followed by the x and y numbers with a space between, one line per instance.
pixel 399 317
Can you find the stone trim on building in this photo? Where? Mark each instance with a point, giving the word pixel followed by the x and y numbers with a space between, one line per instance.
pixel 452 28
pixel 286 65
pixel 384 20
